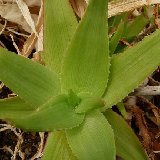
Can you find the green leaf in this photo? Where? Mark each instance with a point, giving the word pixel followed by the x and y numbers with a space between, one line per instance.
pixel 92 140
pixel 73 99
pixel 122 109
pixel 14 104
pixel 86 65
pixel 140 61
pixel 89 104
pixel 57 147
pixel 113 22
pixel 60 25
pixel 116 37
pixel 55 114
pixel 31 81
pixel 128 146
pixel 133 29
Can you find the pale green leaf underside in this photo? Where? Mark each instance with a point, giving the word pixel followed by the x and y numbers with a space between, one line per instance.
pixel 86 65
pixel 59 26
pixel 14 104
pixel 55 114
pixel 128 146
pixel 57 147
pixel 130 68
pixel 92 140
pixel 31 81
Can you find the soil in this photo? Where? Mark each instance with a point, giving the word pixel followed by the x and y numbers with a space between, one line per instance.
pixel 28 148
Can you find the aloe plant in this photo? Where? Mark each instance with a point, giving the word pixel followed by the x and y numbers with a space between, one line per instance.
pixel 71 95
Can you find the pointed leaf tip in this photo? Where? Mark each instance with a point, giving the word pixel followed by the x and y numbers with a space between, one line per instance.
pixel 86 64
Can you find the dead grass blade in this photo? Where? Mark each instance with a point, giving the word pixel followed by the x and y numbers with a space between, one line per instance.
pixel 116 7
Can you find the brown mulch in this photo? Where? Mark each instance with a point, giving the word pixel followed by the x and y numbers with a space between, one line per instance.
pixel 145 119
